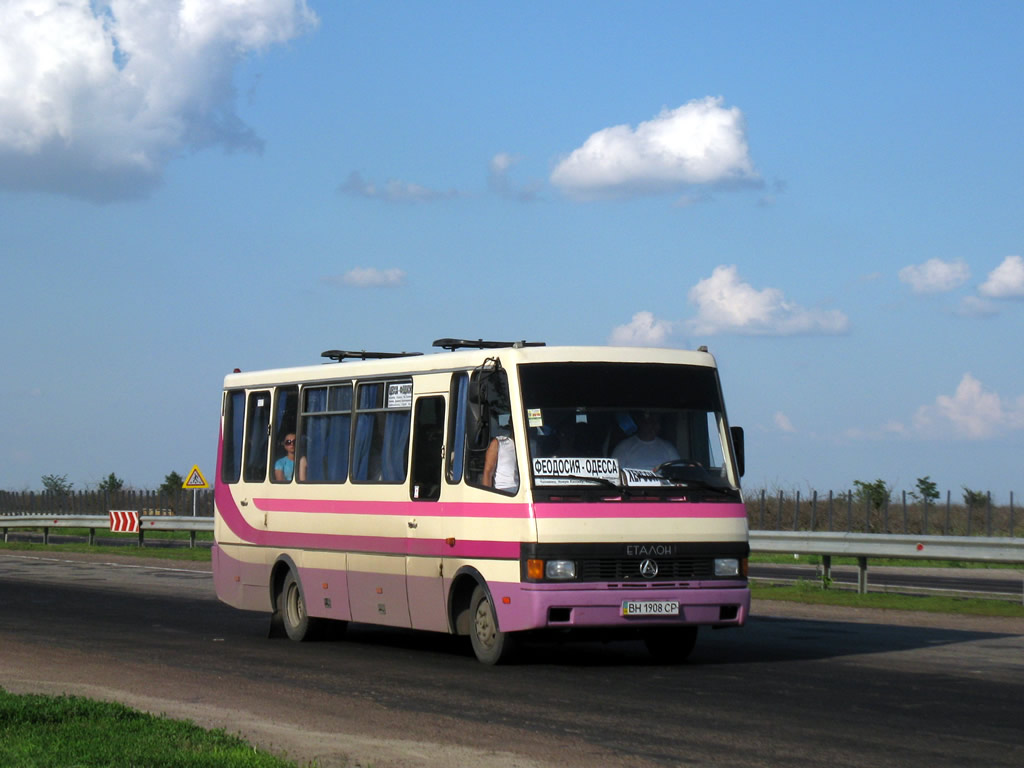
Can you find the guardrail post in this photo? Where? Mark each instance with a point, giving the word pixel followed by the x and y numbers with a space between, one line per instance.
pixel 826 569
pixel 862 575
pixel 142 532
pixel 92 536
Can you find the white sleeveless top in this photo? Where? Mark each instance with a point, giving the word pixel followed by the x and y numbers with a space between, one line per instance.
pixel 506 474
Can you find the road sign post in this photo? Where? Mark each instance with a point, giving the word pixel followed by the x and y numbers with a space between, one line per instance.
pixel 194 482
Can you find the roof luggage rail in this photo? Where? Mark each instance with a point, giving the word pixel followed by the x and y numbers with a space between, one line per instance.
pixel 454 344
pixel 341 355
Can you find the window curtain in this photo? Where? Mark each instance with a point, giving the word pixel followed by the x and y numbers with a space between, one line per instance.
pixel 396 440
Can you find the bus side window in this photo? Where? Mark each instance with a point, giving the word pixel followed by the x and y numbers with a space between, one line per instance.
pixel 489 417
pixel 324 433
pixel 427 444
pixel 285 416
pixel 380 448
pixel 234 426
pixel 457 427
pixel 257 430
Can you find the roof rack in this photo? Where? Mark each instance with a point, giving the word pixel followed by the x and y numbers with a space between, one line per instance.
pixel 341 355
pixel 454 344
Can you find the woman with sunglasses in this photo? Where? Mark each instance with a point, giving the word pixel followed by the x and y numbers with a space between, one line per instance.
pixel 285 466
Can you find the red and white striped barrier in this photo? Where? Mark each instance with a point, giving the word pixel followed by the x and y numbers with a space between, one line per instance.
pixel 124 521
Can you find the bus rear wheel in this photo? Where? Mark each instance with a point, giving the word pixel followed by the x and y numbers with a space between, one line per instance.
pixel 298 623
pixel 490 645
pixel 670 645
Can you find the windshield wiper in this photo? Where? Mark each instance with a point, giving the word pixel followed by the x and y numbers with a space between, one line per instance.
pixel 690 475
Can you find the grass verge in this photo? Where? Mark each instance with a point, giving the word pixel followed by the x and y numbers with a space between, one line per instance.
pixel 57 731
pixel 812 592
pixel 196 554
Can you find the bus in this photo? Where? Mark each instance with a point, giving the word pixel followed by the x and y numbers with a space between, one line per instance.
pixel 489 489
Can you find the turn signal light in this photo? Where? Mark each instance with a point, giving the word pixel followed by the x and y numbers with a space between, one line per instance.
pixel 535 569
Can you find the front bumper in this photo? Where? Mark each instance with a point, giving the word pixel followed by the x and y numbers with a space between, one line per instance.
pixel 528 606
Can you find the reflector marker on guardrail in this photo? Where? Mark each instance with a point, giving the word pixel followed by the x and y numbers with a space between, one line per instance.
pixel 124 521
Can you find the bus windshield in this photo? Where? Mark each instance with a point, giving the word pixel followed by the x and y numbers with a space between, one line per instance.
pixel 643 429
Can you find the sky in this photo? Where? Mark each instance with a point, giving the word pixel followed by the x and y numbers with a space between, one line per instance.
pixel 829 196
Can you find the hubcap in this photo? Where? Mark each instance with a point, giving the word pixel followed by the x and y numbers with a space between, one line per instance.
pixel 485 624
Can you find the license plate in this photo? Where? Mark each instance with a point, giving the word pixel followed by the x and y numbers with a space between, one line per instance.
pixel 650 608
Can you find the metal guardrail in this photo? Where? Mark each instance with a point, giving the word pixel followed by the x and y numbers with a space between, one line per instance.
pixel 867 545
pixel 862 546
pixel 102 522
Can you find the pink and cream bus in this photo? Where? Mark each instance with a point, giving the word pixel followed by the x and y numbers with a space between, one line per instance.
pixel 489 490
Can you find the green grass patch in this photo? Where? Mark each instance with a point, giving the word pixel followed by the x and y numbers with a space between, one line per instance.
pixel 812 592
pixel 59 731
pixel 191 554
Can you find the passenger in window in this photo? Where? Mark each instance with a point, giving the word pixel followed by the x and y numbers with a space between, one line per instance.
pixel 285 466
pixel 501 470
pixel 645 449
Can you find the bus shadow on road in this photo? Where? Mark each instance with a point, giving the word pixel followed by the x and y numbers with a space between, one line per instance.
pixel 778 639
pixel 762 640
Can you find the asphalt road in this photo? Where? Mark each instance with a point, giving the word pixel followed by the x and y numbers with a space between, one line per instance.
pixel 834 689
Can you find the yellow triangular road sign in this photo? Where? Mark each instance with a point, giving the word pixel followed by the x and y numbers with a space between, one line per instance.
pixel 195 479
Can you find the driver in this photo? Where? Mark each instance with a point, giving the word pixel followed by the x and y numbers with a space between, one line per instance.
pixel 644 449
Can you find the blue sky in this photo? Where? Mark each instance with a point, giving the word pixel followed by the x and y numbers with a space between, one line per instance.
pixel 828 195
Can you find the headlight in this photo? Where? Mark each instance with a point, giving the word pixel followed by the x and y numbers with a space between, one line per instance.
pixel 727 566
pixel 560 569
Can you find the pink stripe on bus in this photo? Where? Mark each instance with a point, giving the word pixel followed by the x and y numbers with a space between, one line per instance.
pixel 408 508
pixel 570 510
pixel 638 510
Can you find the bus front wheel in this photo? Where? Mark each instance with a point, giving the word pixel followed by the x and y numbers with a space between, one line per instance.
pixel 490 645
pixel 297 622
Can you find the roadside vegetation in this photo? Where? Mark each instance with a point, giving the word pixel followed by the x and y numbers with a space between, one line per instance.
pixel 165 545
pixel 812 592
pixel 58 731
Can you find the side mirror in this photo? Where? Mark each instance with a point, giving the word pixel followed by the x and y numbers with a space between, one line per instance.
pixel 737 446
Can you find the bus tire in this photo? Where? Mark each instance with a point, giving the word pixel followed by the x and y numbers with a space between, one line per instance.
pixel 490 645
pixel 298 624
pixel 670 645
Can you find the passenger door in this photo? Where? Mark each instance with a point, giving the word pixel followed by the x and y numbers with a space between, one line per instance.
pixel 424 585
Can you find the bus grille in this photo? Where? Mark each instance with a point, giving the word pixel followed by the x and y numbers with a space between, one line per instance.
pixel 628 569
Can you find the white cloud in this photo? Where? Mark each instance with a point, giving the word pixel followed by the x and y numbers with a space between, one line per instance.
pixel 975 306
pixel 727 305
pixel 644 330
pixel 783 423
pixel 972 412
pixel 393 191
pixel 370 277
pixel 701 142
pixel 1005 281
pixel 935 276
pixel 499 180
pixel 95 97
